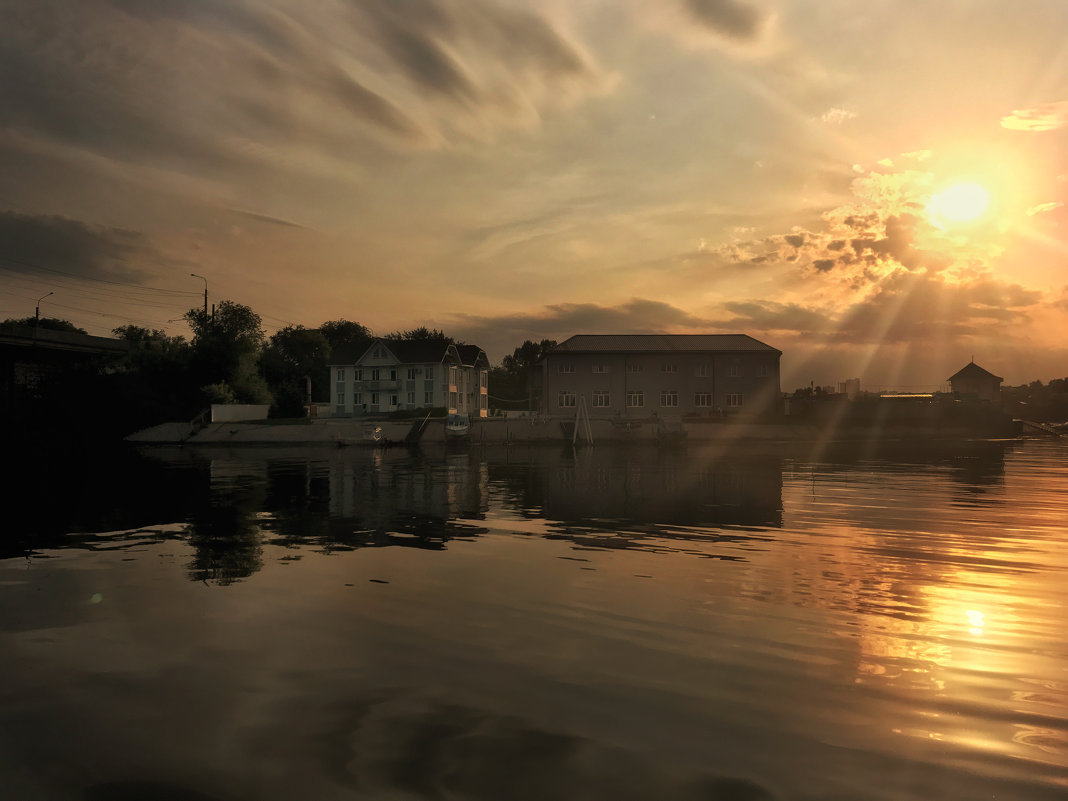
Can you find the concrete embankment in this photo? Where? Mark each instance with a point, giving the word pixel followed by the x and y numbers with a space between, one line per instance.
pixel 356 432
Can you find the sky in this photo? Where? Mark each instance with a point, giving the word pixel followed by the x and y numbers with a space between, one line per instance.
pixel 878 189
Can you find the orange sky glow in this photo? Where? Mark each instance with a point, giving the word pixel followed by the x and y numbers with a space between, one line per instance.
pixel 878 190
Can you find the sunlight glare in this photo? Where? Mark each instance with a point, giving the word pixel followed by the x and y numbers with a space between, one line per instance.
pixel 959 203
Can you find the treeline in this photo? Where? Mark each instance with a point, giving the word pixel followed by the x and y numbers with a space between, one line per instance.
pixel 1045 403
pixel 229 359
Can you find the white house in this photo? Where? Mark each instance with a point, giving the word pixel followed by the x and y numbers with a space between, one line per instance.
pixel 393 375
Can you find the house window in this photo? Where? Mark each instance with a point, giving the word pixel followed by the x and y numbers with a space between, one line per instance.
pixel 428 398
pixel 702 399
pixel 600 368
pixel 452 400
pixel 483 379
pixel 635 399
pixel 411 398
pixel 357 399
pixel 634 367
pixel 600 399
pixel 452 377
pixel 393 374
pixel 734 400
pixel 412 372
pixel 483 402
pixel 359 374
pixel 392 400
pixel 341 374
pixel 669 397
pixel 375 372
pixel 374 398
pixel 567 398
pixel 567 367
pixel 341 399
pixel 762 371
pixel 378 353
pixel 735 370
pixel 703 371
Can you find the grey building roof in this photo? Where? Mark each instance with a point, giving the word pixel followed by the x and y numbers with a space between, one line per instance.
pixel 658 343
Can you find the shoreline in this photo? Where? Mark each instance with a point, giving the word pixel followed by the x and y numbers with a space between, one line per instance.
pixel 351 433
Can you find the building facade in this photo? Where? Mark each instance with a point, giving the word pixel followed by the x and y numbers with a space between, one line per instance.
pixel 401 375
pixel 663 375
pixel 972 381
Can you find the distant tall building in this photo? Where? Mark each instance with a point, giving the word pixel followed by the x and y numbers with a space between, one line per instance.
pixel 850 387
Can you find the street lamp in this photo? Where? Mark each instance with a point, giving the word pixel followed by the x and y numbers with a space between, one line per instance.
pixel 37 312
pixel 205 280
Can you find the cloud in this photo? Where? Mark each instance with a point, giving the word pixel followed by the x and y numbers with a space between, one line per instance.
pixel 232 84
pixel 501 334
pixel 31 244
pixel 1046 117
pixel 267 218
pixel 837 116
pixel 730 18
pixel 1044 208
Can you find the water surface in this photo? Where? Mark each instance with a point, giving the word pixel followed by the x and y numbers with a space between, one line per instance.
pixel 528 623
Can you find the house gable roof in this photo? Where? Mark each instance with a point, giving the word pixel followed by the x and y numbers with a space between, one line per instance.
pixel 973 370
pixel 471 355
pixel 658 343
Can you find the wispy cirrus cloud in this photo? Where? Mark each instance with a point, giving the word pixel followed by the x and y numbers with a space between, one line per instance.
pixel 230 83
pixel 1045 117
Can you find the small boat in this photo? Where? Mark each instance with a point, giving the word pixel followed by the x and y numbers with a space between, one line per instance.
pixel 457 427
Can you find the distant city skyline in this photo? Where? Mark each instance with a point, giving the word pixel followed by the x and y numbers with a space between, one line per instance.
pixel 877 190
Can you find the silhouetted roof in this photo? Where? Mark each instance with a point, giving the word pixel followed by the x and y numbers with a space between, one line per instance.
pixel 469 354
pixel 407 352
pixel 973 370
pixel 652 343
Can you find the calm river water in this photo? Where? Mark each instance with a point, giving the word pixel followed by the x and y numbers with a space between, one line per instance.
pixel 536 623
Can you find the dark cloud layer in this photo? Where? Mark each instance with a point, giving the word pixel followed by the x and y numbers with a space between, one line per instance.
pixel 31 244
pixel 499 335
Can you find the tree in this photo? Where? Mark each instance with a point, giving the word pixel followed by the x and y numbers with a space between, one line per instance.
pixel 526 356
pixel 513 382
pixel 346 337
pixel 226 348
pixel 423 334
pixel 291 357
pixel 48 323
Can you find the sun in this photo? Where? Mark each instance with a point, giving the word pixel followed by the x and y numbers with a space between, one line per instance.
pixel 959 203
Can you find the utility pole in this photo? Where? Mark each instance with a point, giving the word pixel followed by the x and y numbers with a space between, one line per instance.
pixel 205 280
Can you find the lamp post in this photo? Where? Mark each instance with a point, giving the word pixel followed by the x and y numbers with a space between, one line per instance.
pixel 37 311
pixel 205 280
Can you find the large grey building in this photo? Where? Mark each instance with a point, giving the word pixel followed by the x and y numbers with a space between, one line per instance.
pixel 669 375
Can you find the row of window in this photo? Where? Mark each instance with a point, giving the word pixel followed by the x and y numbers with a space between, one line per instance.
pixel 636 399
pixel 701 371
pixel 378 373
pixel 428 398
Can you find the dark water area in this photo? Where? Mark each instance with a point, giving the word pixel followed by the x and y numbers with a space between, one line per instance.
pixel 758 622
